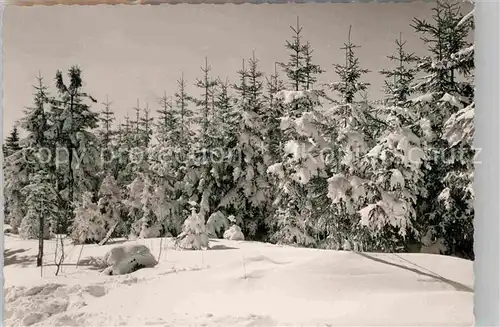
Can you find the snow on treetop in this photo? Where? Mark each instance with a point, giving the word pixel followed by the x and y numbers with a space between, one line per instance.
pixel 291 96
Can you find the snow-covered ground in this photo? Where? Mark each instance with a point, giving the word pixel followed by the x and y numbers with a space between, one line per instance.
pixel 238 284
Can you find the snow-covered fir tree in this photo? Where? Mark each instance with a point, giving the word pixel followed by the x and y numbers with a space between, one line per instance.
pixel 251 151
pixel 393 167
pixel 149 225
pixel 10 147
pixel 35 155
pixel 194 234
pixel 132 201
pixel 110 203
pixel 446 89
pixel 210 153
pixel 42 214
pixel 350 137
pixel 226 132
pixel 89 224
pixel 41 209
pixel 72 123
pixel 458 195
pixel 264 158
pixel 292 221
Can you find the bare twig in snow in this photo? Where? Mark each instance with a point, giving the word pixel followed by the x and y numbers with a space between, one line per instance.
pixel 108 234
pixel 244 267
pixel 79 256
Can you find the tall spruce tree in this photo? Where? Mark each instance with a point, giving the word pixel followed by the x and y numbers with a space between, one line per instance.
pixel 73 121
pixel 349 137
pixel 443 94
pixel 251 179
pixel 20 165
pixel 291 221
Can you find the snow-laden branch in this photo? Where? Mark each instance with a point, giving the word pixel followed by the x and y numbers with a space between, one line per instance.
pixel 466 18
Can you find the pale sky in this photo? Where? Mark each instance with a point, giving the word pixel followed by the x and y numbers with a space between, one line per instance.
pixel 131 52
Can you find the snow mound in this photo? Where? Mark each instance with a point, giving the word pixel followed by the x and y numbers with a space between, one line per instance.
pixel 125 259
pixel 234 234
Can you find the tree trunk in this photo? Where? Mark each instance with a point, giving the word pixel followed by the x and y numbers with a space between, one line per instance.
pixel 39 258
pixel 108 235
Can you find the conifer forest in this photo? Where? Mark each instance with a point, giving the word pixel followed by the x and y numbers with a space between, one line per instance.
pixel 273 156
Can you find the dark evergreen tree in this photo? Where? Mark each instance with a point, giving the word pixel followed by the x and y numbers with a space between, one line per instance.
pixel 253 160
pixel 107 117
pixel 19 166
pixel 167 120
pixel 349 73
pixel 294 68
pixel 12 142
pixel 185 115
pixel 311 70
pixel 73 121
pixel 273 136
pixel 206 85
pixel 397 85
pixel 446 96
pixel 137 125
pixel 147 127
pixel 302 73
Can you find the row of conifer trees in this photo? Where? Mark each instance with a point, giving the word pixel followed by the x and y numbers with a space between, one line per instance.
pixel 291 160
